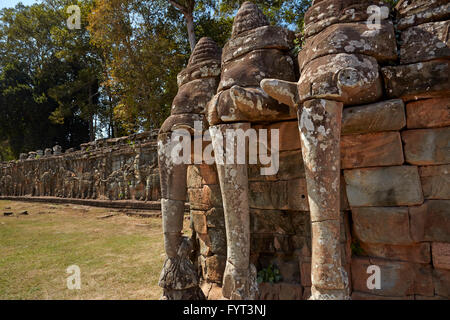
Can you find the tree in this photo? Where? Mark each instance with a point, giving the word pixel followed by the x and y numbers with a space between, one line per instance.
pixel 116 75
pixel 287 13
pixel 187 8
pixel 33 66
pixel 144 50
pixel 73 46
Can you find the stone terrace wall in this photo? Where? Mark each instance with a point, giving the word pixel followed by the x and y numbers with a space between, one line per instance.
pixel 400 205
pixel 395 161
pixel 124 168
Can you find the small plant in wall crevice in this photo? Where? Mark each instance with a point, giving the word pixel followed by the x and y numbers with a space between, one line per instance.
pixel 356 248
pixel 270 274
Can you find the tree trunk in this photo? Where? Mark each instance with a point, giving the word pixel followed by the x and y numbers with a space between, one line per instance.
pixel 190 28
pixel 188 12
pixel 91 117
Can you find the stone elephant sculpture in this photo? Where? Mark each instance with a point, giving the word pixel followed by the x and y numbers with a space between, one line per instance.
pixel 197 84
pixel 339 66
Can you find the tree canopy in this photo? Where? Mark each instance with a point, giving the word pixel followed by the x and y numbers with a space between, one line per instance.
pixel 115 75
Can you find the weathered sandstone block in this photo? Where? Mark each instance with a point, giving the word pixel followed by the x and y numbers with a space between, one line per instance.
pixel 380 116
pixel 206 69
pixel 398 279
pixel 271 221
pixel 215 267
pixel 215 218
pixel 203 63
pixel 418 253
pixel 351 79
pixel 425 42
pixel 290 167
pixel 240 104
pixel 297 195
pixel 412 13
pixel 305 273
pixel 193 96
pixel 327 12
pixel 371 150
pixel 418 81
pixel 280 291
pixel 249 17
pixel 290 195
pixel 270 243
pixel 389 186
pixel 205 198
pixel 441 255
pixel 262 197
pixel 214 242
pixel 250 69
pixel 199 221
pixel 382 225
pixel 427 146
pixel 289 136
pixel 194 179
pixel 351 38
pixel 431 221
pixel 441 279
pixel 429 113
pixel 199 175
pixel 266 37
pixel 182 121
pixel 435 182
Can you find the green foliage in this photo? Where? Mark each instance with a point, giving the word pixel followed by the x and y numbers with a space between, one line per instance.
pixel 117 74
pixel 6 153
pixel 38 109
pixel 270 274
pixel 356 248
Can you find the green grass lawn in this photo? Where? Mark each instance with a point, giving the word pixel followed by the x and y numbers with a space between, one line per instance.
pixel 119 257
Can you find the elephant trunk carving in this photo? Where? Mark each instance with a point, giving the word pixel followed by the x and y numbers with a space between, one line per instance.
pixel 197 83
pixel 320 132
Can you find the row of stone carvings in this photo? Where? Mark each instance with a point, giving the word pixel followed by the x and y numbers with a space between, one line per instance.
pixel 108 169
pixel 395 154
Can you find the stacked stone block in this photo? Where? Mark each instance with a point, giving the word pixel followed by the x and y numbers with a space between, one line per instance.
pixel 124 168
pixel 280 224
pixel 181 181
pixel 256 50
pixel 391 84
pixel 338 67
pixel 208 223
pixel 400 204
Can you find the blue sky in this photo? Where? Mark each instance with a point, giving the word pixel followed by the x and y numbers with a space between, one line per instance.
pixel 12 3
